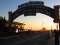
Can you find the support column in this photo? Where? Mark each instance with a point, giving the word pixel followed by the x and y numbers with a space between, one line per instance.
pixel 57 18
pixel 10 16
pixel 10 20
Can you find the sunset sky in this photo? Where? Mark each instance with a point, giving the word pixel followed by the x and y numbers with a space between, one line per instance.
pixel 35 22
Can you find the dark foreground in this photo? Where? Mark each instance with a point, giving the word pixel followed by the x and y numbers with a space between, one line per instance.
pixel 31 38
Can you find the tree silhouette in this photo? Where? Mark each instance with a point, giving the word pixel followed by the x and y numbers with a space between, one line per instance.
pixel 2 24
pixel 43 29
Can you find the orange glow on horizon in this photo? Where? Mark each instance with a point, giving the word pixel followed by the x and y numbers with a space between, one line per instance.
pixel 35 26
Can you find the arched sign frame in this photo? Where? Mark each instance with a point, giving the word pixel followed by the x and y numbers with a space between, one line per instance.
pixel 30 9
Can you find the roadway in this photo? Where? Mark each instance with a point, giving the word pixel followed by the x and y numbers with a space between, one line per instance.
pixel 35 38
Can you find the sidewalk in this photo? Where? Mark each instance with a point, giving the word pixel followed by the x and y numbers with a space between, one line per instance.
pixel 51 41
